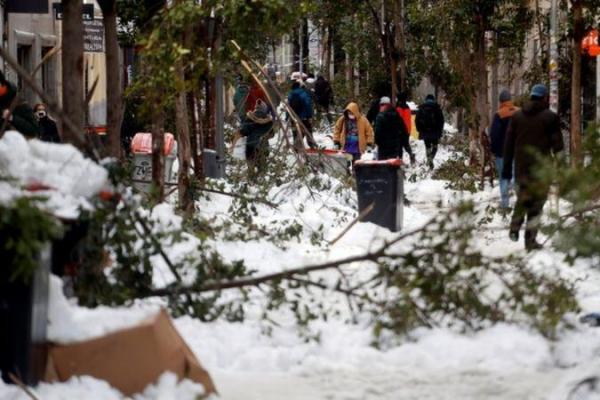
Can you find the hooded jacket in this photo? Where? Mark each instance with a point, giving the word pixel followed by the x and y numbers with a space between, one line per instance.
pixel 22 119
pixel 499 127
pixel 365 130
pixel 389 131
pixel 534 129
pixel 430 121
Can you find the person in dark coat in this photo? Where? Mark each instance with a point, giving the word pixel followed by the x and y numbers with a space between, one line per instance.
pixel 497 135
pixel 389 130
pixel 21 118
pixel 299 99
pixel 430 124
pixel 406 114
pixel 323 96
pixel 48 130
pixel 257 126
pixel 533 130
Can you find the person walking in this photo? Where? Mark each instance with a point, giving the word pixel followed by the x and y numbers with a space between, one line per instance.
pixel 256 128
pixel 323 96
pixel 353 133
pixel 300 101
pixel 533 131
pixel 48 129
pixel 430 124
pixel 406 114
pixel 497 135
pixel 389 131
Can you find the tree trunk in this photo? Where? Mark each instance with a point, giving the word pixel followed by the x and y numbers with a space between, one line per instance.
pixel 72 69
pixel 114 100
pixel 305 48
pixel 296 50
pixel 576 159
pixel 399 16
pixel 481 106
pixel 184 155
pixel 158 155
pixel 195 134
pixel 329 54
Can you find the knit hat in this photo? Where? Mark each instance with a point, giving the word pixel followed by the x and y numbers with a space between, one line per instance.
pixel 505 96
pixel 539 90
pixel 402 97
pixel 385 100
pixel 430 97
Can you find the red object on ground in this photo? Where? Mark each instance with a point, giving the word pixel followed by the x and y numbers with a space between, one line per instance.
pixel 393 162
pixel 37 187
pixel 107 195
pixel 591 44
pixel 142 143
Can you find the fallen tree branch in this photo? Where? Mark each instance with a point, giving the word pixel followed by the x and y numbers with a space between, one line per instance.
pixel 373 256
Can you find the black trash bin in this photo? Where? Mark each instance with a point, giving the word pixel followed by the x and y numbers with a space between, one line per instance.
pixel 381 183
pixel 23 323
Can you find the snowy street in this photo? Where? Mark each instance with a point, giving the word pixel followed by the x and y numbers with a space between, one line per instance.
pixel 501 362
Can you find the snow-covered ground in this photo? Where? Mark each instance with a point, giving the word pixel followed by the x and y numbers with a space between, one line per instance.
pixel 501 362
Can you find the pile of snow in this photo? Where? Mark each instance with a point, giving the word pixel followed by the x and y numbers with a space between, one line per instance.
pixel 69 323
pixel 167 387
pixel 71 177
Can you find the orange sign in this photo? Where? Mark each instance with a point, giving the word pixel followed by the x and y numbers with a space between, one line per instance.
pixel 590 44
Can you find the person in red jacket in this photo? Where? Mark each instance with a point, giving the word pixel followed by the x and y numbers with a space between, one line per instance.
pixel 404 111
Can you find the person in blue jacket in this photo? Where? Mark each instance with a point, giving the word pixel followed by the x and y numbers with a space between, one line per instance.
pixel 497 133
pixel 299 100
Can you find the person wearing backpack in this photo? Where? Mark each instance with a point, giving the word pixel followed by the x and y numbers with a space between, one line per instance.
pixel 389 131
pixel 299 100
pixel 430 124
pixel 405 113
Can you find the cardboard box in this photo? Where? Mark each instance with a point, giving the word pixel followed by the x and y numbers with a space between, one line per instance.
pixel 130 359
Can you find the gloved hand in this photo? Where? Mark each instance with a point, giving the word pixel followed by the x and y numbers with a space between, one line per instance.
pixel 336 145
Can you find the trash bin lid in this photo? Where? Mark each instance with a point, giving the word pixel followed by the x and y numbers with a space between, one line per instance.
pixel 393 162
pixel 142 143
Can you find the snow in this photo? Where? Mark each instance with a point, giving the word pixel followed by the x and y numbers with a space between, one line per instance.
pixel 72 178
pixel 505 361
pixel 69 323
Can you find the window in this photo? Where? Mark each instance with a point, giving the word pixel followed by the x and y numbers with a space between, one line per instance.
pixel 49 73
pixel 24 58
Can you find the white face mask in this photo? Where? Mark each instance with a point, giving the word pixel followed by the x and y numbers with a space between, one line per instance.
pixel 351 116
pixel 40 114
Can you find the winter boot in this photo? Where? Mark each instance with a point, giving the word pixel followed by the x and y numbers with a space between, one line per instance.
pixel 530 242
pixel 514 235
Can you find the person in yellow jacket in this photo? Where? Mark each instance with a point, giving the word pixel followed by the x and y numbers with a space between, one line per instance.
pixel 353 133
